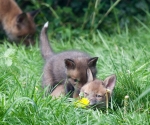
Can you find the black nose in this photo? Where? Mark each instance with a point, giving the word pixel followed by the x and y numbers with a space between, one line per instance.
pixel 92 102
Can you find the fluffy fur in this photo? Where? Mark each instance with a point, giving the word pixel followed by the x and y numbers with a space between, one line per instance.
pixel 95 89
pixel 18 26
pixel 68 68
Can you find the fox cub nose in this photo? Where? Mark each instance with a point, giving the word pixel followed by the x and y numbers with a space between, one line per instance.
pixel 93 101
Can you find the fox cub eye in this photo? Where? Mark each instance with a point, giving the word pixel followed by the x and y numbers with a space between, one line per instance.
pixel 76 80
pixel 98 95
pixel 86 94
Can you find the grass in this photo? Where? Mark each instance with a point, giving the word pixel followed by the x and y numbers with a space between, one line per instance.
pixel 126 54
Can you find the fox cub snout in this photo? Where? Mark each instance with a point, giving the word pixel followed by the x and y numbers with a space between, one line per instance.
pixel 19 26
pixel 95 90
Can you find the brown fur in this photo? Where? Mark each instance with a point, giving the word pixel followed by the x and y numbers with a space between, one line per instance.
pixel 68 68
pixel 95 90
pixel 59 90
pixel 17 25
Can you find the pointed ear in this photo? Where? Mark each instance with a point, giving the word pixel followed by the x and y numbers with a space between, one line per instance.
pixel 34 13
pixel 21 18
pixel 70 64
pixel 89 75
pixel 110 82
pixel 92 61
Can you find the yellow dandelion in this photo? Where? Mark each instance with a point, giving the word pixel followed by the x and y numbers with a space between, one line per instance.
pixel 84 102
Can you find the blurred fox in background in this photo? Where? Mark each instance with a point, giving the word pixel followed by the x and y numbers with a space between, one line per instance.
pixel 18 26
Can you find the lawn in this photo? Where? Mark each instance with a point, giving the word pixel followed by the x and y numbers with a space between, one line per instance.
pixel 126 54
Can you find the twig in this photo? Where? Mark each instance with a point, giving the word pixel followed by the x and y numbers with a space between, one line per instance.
pixel 86 16
pixel 108 11
pixel 53 11
pixel 94 13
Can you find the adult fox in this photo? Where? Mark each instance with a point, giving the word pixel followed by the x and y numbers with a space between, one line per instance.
pixel 18 26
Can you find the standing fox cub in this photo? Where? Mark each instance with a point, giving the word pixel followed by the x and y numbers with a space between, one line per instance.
pixel 95 90
pixel 17 24
pixel 67 69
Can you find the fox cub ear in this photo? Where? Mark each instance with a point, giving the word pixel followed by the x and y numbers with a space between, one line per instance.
pixel 110 82
pixel 34 13
pixel 21 18
pixel 92 61
pixel 70 64
pixel 89 76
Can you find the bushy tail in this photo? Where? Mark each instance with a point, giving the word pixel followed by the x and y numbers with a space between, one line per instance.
pixel 45 47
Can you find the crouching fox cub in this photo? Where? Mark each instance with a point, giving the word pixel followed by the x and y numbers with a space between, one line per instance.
pixel 68 68
pixel 95 90
pixel 17 24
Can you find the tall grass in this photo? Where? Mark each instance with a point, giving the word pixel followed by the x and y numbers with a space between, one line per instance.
pixel 126 54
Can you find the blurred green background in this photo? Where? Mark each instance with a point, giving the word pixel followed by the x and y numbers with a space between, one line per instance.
pixel 86 16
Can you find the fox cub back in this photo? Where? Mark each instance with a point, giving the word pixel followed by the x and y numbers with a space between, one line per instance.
pixel 95 90
pixel 19 26
pixel 67 69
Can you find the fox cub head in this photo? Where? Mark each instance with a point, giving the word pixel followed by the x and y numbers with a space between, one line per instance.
pixel 22 28
pixel 95 90
pixel 77 73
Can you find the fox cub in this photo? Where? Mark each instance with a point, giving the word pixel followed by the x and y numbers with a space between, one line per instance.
pixel 67 69
pixel 95 90
pixel 17 24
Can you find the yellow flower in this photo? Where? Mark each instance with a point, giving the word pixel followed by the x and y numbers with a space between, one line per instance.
pixel 84 102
